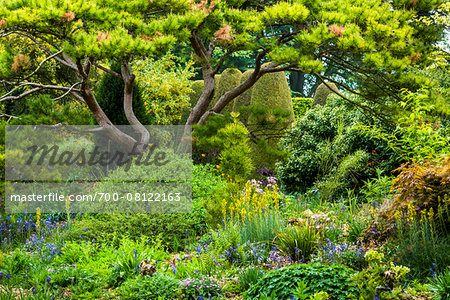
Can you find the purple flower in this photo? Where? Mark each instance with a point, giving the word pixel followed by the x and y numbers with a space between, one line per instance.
pixel 49 279
pixel 174 269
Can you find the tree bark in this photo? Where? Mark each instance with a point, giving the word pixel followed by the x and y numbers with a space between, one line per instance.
pixel 297 82
pixel 238 90
pixel 129 143
pixel 230 95
pixel 128 78
pixel 205 98
pixel 208 77
pixel 112 131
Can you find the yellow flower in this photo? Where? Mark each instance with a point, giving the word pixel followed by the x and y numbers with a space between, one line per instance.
pixel 38 218
pixel 203 155
pixel 224 207
pixel 68 208
pixel 430 213
pixel 217 166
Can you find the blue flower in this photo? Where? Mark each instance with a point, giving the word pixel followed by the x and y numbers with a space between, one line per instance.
pixel 174 269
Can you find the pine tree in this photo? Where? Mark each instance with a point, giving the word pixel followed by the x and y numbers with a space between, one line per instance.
pixel 375 41
pixel 86 37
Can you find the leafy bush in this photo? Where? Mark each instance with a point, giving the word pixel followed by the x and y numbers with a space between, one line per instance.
pixel 379 274
pixel 235 161
pixel 16 263
pixel 243 204
pixel 344 254
pixel 219 205
pixel 205 181
pixel 425 186
pixel 67 275
pixel 301 106
pixel 158 286
pixel 322 147
pixel 110 228
pixel 377 189
pixel 205 185
pixel 349 172
pixel 113 262
pixel 418 136
pixel 202 149
pixel 176 228
pixel 333 280
pixel 165 88
pixel 255 199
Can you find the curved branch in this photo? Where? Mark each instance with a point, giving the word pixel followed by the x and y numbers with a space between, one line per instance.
pixel 66 93
pixel 128 79
pixel 78 97
pixel 198 46
pixel 236 91
pixel 278 68
pixel 104 69
pixel 24 94
pixel 64 61
pixel 41 63
pixel 12 91
pixel 37 87
pixel 6 115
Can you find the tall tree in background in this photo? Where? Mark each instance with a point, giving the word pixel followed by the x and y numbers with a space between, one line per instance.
pixel 374 41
